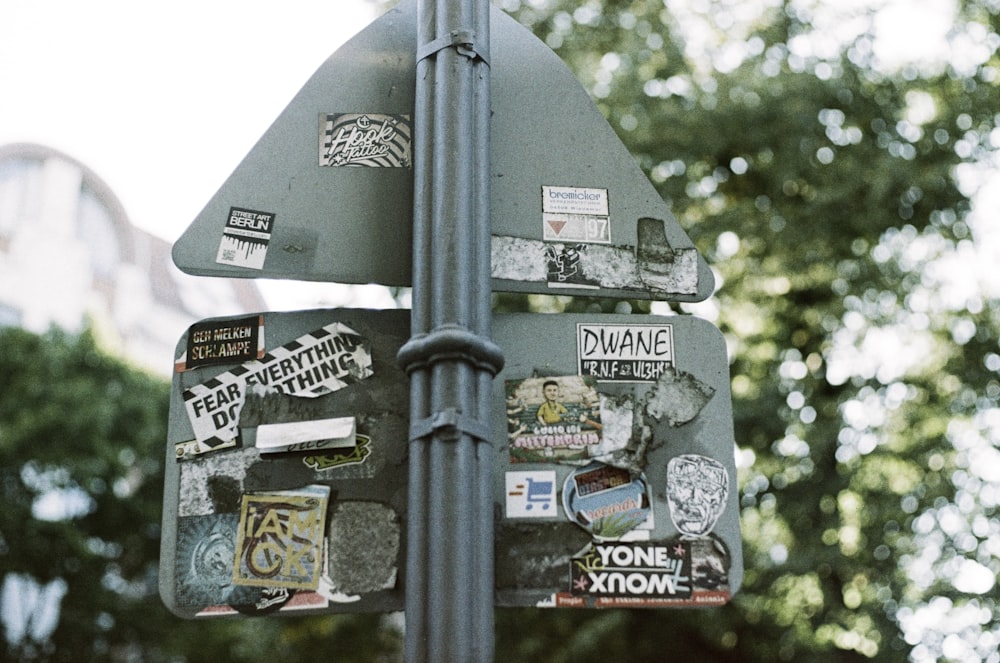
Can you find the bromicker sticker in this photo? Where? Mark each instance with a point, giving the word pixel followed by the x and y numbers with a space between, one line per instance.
pixel 245 238
pixel 312 365
pixel 624 353
pixel 371 140
pixel 575 214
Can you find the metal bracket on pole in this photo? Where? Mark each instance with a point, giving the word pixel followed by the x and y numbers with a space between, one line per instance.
pixel 464 42
pixel 449 424
pixel 450 342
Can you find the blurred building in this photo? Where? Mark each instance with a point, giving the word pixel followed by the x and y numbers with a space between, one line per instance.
pixel 69 255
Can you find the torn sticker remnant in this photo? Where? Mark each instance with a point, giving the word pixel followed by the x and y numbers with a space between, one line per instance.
pixel 552 419
pixel 596 265
pixel 677 397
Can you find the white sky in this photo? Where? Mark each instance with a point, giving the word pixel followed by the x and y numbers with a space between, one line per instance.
pixel 161 100
pixel 164 100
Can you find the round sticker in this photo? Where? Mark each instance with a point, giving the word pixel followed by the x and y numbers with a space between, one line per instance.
pixel 606 501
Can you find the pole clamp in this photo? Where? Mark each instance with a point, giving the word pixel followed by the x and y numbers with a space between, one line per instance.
pixel 450 342
pixel 449 424
pixel 464 42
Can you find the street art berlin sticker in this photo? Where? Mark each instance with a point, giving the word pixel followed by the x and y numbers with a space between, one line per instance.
pixel 552 419
pixel 371 140
pixel 624 353
pixel 575 214
pixel 531 494
pixel 245 238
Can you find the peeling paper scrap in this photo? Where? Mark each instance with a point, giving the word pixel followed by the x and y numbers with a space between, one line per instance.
pixel 315 435
pixel 613 267
pixel 677 397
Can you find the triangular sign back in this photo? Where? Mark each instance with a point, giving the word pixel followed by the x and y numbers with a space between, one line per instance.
pixel 326 194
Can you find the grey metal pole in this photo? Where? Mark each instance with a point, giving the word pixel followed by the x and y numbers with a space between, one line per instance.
pixel 450 356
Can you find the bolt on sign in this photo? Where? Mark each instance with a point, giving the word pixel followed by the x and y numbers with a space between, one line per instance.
pixel 286 480
pixel 615 475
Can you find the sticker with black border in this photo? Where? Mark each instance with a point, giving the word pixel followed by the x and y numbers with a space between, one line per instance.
pixel 575 214
pixel 245 238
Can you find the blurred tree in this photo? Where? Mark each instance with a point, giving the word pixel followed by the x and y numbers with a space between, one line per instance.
pixel 831 192
pixel 81 474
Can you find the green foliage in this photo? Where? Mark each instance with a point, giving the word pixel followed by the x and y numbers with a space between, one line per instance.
pixel 80 470
pixel 825 191
pixel 81 473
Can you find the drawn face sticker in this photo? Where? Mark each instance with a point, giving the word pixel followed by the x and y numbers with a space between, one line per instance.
pixel 697 488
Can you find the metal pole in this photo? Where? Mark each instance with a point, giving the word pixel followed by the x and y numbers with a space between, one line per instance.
pixel 450 356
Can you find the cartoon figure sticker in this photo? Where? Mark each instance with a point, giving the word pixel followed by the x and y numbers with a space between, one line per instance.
pixel 606 501
pixel 370 140
pixel 245 238
pixel 552 419
pixel 697 488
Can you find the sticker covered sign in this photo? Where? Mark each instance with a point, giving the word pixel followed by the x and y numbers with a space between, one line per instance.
pixel 286 468
pixel 647 518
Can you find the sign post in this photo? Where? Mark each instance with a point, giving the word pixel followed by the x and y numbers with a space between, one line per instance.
pixel 450 358
pixel 348 460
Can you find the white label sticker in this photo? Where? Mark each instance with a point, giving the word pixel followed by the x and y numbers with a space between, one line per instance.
pixel 245 238
pixel 624 353
pixel 575 214
pixel 531 494
pixel 335 433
